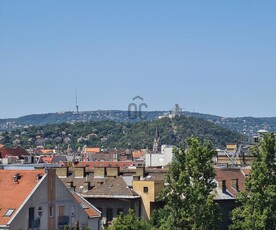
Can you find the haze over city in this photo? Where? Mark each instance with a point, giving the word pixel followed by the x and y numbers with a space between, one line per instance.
pixel 210 57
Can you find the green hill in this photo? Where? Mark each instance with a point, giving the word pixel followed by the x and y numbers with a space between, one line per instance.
pixel 111 134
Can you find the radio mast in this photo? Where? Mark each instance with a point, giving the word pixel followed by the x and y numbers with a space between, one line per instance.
pixel 77 107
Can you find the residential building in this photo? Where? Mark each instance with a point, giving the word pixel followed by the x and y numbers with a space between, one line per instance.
pixel 37 199
pixel 230 181
pixel 148 187
pixel 104 188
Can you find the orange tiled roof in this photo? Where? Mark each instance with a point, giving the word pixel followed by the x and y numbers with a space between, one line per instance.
pixel 47 159
pixel 46 151
pixel 93 150
pixel 12 194
pixel 90 211
pixel 138 153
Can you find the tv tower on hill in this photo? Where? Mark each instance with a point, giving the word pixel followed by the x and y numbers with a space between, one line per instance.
pixel 77 107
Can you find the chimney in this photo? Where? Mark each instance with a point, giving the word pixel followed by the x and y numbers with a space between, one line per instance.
pixel 86 186
pixel 136 178
pixel 38 176
pixel 140 171
pixel 62 172
pixel 222 185
pixel 235 184
pixel 69 184
pixel 80 172
pixel 99 172
pixel 16 177
pixel 112 171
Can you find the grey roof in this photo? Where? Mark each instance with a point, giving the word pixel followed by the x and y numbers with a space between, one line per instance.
pixel 108 187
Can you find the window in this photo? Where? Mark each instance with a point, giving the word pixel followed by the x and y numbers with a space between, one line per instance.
pixel 9 212
pixel 146 189
pixel 51 211
pixel 119 210
pixel 109 214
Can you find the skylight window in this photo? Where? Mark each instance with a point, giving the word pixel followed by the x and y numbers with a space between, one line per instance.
pixel 83 206
pixel 9 212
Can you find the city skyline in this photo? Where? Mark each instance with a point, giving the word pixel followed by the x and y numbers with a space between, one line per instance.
pixel 216 58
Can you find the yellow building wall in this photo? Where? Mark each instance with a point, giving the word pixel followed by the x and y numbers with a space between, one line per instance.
pixel 149 197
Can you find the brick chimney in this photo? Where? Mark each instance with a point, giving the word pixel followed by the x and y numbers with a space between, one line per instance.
pixel 235 184
pixel 222 185
pixel 69 184
pixel 62 172
pixel 80 172
pixel 135 177
pixel 99 172
pixel 140 171
pixel 86 186
pixel 112 171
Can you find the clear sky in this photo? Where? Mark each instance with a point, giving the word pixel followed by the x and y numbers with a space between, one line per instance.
pixel 216 57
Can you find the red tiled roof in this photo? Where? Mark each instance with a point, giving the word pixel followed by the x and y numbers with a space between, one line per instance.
pixel 90 210
pixel 13 152
pixel 12 194
pixel 47 159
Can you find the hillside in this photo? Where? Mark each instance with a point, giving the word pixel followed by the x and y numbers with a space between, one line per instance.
pixel 244 125
pixel 114 134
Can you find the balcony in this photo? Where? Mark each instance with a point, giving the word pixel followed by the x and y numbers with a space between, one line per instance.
pixel 34 223
pixel 63 220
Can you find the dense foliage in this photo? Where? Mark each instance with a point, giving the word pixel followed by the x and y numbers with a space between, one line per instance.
pixel 111 134
pixel 257 208
pixel 188 200
pixel 129 222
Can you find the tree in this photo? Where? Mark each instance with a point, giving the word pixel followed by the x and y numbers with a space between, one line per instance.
pixel 257 208
pixel 128 222
pixel 66 227
pixel 188 199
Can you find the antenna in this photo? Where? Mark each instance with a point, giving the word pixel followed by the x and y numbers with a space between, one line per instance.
pixel 77 107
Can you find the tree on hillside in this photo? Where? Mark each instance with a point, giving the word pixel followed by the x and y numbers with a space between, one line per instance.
pixel 188 199
pixel 128 222
pixel 257 208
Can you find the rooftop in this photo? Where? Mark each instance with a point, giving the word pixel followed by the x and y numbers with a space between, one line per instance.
pixel 13 194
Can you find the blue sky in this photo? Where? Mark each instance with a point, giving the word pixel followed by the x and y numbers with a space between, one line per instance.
pixel 216 57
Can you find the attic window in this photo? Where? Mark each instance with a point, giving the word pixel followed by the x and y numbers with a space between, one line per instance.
pixel 9 212
pixel 146 189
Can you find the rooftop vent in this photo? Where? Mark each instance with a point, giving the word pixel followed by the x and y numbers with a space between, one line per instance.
pixel 38 176
pixel 16 177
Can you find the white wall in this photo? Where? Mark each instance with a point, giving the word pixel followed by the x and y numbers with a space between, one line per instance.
pixel 160 159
